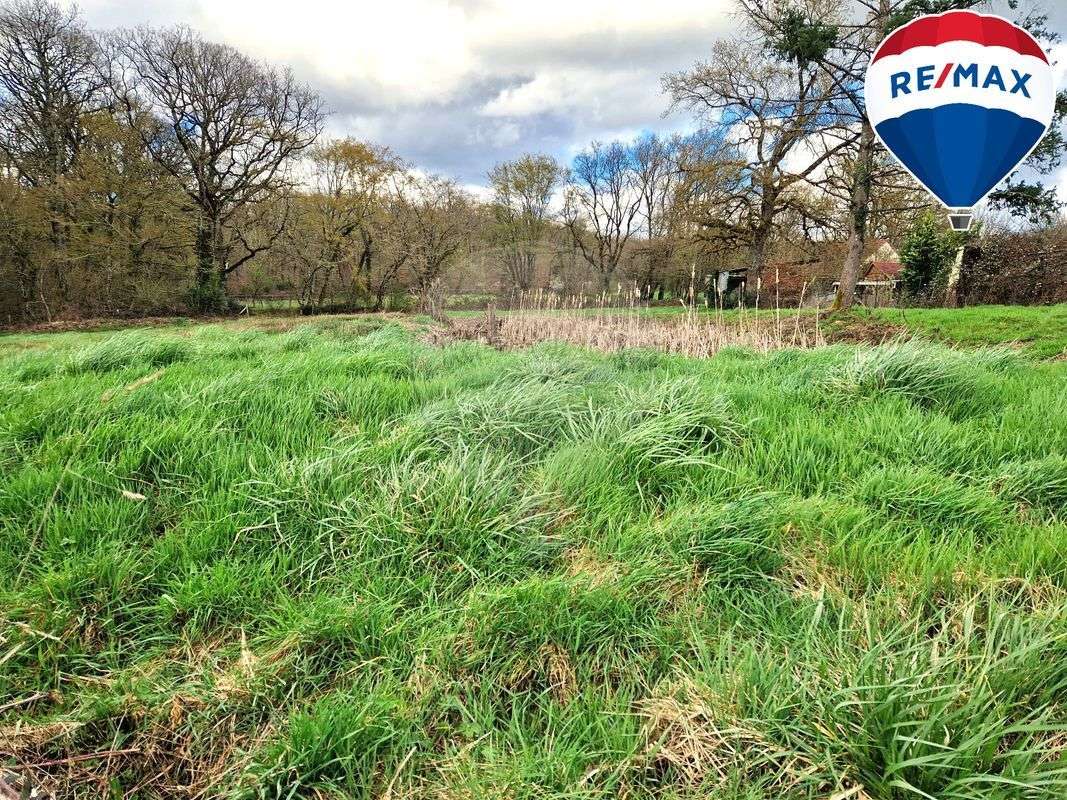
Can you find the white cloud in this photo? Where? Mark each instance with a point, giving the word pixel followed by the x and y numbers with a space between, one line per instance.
pixel 605 95
pixel 407 50
pixel 461 84
pixel 412 50
pixel 457 85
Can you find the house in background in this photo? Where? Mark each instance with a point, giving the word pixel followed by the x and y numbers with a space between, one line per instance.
pixel 811 278
pixel 878 281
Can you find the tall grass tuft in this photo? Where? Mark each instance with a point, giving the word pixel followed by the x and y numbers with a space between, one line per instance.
pixel 521 417
pixel 930 376
pixel 338 746
pixel 128 350
pixel 939 502
pixel 1040 482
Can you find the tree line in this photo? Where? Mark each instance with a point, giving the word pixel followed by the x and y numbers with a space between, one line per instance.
pixel 150 170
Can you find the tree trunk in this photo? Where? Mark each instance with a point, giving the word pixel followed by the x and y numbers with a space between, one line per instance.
pixel 859 209
pixel 379 298
pixel 757 260
pixel 952 289
pixel 205 256
pixel 209 292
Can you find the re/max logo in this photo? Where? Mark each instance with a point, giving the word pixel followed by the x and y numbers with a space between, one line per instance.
pixel 960 75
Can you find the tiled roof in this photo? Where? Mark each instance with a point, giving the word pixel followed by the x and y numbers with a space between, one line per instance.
pixel 883 270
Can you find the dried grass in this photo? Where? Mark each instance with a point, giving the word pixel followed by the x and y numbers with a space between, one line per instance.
pixel 697 735
pixel 550 669
pixel 541 317
pixel 585 562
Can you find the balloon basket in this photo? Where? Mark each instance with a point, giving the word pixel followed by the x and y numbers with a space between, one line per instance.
pixel 960 218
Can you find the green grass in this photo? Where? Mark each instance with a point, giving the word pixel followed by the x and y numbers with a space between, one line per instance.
pixel 335 561
pixel 1042 330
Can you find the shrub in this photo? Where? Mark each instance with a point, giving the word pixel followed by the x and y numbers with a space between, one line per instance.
pixel 926 254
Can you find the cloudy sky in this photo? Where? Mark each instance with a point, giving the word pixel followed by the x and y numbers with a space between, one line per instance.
pixel 457 86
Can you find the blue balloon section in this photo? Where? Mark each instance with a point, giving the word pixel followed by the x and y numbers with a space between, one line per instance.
pixel 960 151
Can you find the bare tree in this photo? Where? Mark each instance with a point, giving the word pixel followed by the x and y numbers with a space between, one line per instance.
pixel 331 239
pixel 437 216
pixel 776 128
pixel 226 126
pixel 657 163
pixel 826 35
pixel 602 202
pixel 48 81
pixel 522 194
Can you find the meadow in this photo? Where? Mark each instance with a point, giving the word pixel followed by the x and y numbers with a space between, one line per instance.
pixel 334 560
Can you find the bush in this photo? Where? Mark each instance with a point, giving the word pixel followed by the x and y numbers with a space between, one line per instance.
pixel 927 253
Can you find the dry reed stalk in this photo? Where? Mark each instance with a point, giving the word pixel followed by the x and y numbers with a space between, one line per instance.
pixel 605 323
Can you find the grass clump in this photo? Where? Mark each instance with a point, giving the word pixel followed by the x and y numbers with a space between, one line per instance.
pixel 920 724
pixel 675 423
pixel 519 417
pixel 935 501
pixel 1039 482
pixel 340 746
pixel 129 350
pixel 467 511
pixel 735 542
pixel 930 376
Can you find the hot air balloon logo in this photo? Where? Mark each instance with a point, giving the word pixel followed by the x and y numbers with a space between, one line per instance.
pixel 960 99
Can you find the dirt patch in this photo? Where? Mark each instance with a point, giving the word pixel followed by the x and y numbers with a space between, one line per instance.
pixel 848 329
pixel 104 324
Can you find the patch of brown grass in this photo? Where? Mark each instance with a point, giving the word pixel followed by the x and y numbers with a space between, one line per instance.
pixel 807 572
pixel 694 335
pixel 606 323
pixel 177 749
pixel 585 563
pixel 549 670
pixel 699 737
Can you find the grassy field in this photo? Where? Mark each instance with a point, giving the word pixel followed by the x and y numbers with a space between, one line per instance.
pixel 1040 329
pixel 336 562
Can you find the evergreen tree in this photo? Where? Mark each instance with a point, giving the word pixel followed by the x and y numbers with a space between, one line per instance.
pixel 926 254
